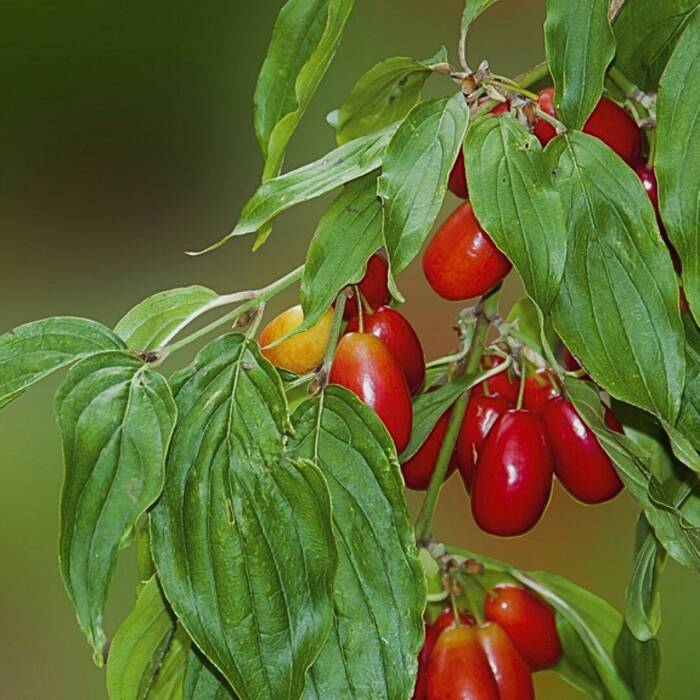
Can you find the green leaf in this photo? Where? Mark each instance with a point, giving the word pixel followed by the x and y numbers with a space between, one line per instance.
pixel 116 417
pixel 156 320
pixel 347 235
pixel 617 308
pixel 643 611
pixel 304 41
pixel 514 199
pixel 242 537
pixel 525 314
pixel 345 163
pixel 202 682
pixel 639 664
pixel 472 9
pixel 35 350
pixel 385 94
pixel 646 32
pixel 677 159
pixel 689 416
pixel 379 590
pixel 579 45
pixel 414 177
pixel 588 628
pixel 147 655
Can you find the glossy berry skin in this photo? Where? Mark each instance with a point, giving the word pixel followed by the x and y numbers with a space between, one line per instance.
pixel 513 476
pixel 512 675
pixel 502 385
pixel 398 335
pixel 580 463
pixel 418 469
pixel 651 187
pixel 608 122
pixel 300 353
pixel 481 414
pixel 374 286
pixel 461 261
pixel 528 621
pixel 540 387
pixel 365 366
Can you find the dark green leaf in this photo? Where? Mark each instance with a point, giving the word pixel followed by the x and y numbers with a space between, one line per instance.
pixel 414 177
pixel 153 322
pixel 147 655
pixel 304 41
pixel 511 190
pixel 677 160
pixel 385 94
pixel 202 682
pixel 617 309
pixel 379 588
pixel 689 417
pixel 347 235
pixel 35 350
pixel 646 33
pixel 643 611
pixel 116 417
pixel 242 536
pixel 579 44
pixel 472 9
pixel 639 664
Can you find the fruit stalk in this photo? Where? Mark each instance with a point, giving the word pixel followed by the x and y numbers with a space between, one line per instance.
pixel 486 309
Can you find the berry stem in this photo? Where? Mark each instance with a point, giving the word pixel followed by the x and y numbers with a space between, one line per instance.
pixel 360 309
pixel 524 80
pixel 521 386
pixel 486 310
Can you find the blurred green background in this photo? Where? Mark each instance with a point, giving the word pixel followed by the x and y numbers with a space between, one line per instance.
pixel 126 138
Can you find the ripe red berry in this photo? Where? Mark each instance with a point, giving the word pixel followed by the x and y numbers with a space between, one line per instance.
pixel 461 261
pixel 502 385
pixel 398 335
pixel 374 286
pixel 365 366
pixel 418 469
pixel 608 122
pixel 580 463
pixel 512 675
pixel 513 477
pixel 528 621
pixel 540 386
pixel 648 178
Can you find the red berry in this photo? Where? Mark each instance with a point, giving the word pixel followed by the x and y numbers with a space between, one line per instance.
pixel 513 476
pixel 365 366
pixel 528 621
pixel 502 385
pixel 398 335
pixel 374 286
pixel 461 261
pixel 540 386
pixel 513 677
pixel 580 463
pixel 648 178
pixel 608 122
pixel 418 469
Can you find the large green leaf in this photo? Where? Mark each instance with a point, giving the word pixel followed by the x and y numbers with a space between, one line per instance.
pixel 116 417
pixel 148 653
pixel 414 176
pixel 33 351
pixel 617 308
pixel 203 682
pixel 385 94
pixel 472 9
pixel 304 41
pixel 154 321
pixel 511 190
pixel 646 32
pixel 579 44
pixel 347 235
pixel 689 417
pixel 677 160
pixel 345 163
pixel 379 590
pixel 639 664
pixel 242 537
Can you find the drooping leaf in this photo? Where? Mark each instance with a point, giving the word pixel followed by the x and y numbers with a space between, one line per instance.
pixel 347 235
pixel 385 94
pixel 304 41
pixel 148 653
pixel 116 417
pixel 511 190
pixel 347 162
pixel 617 308
pixel 689 416
pixel 379 592
pixel 416 167
pixel 242 536
pixel 677 159
pixel 202 682
pixel 33 351
pixel 579 45
pixel 156 320
pixel 646 32
pixel 472 9
pixel 643 611
pixel 639 664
